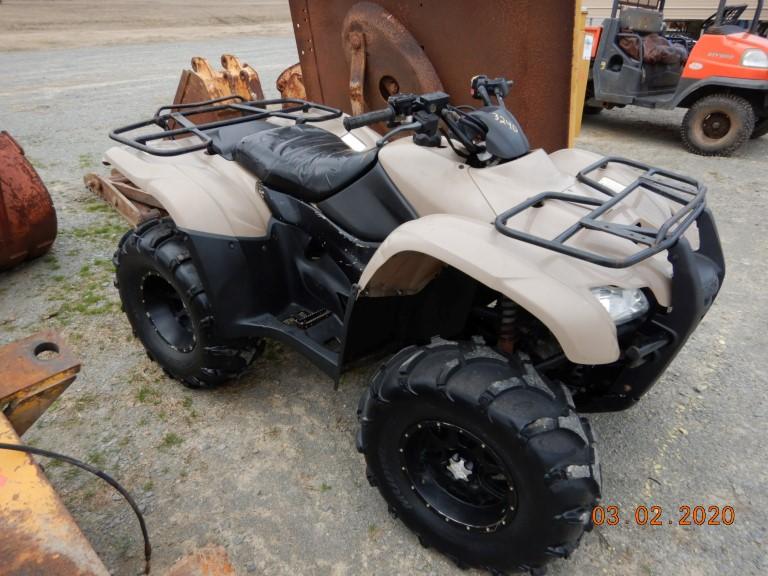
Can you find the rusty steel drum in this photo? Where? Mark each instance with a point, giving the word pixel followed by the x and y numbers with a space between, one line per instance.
pixel 27 217
pixel 354 54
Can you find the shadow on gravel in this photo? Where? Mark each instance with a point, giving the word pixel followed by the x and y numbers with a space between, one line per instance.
pixel 652 131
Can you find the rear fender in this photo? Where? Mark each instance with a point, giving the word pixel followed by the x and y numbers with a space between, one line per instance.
pixel 416 252
pixel 202 193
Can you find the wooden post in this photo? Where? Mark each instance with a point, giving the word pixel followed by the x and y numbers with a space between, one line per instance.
pixel 579 74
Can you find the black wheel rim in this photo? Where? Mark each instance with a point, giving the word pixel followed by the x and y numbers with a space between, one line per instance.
pixel 716 125
pixel 167 313
pixel 458 476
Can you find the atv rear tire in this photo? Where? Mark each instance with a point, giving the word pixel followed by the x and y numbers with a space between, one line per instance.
pixel 169 311
pixel 484 459
pixel 761 128
pixel 718 125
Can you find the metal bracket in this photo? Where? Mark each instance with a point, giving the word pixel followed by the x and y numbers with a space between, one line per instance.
pixel 33 373
pixel 357 72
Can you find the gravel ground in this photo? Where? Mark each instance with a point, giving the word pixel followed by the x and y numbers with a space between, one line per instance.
pixel 44 24
pixel 267 466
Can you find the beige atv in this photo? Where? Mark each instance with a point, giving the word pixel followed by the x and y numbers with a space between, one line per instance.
pixel 508 289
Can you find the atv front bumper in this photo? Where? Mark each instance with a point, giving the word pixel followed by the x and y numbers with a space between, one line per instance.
pixel 696 282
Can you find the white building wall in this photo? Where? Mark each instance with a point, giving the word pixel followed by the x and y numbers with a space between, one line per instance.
pixel 675 9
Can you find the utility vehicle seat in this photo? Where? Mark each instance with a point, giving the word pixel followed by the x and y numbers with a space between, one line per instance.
pixel 303 161
pixel 646 27
pixel 642 20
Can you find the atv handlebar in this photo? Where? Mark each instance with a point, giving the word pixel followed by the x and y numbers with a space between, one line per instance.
pixel 355 122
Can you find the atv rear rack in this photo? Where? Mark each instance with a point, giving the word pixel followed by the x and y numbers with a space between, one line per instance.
pixel 175 121
pixel 687 192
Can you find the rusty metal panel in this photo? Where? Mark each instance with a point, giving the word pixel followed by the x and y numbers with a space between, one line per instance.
pixel 530 42
pixel 27 217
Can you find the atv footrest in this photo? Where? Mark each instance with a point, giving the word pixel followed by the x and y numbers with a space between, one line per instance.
pixel 305 319
pixel 686 192
pixel 317 343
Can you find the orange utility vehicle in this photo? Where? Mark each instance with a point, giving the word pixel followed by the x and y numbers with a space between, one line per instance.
pixel 721 77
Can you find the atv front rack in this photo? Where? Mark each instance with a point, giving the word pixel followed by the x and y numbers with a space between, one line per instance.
pixel 174 121
pixel 687 192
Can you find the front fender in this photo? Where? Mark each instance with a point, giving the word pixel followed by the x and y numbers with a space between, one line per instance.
pixel 689 88
pixel 553 288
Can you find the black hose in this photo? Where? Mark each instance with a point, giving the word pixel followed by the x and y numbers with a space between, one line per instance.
pixel 453 146
pixel 96 472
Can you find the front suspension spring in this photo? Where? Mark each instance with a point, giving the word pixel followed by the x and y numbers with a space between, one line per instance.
pixel 508 326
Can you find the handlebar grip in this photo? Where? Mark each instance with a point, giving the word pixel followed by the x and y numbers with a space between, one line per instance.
pixel 354 122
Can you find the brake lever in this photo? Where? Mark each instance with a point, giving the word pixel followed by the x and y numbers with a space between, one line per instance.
pixel 413 126
pixel 470 146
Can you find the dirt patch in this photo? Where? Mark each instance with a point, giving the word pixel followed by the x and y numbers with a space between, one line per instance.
pixel 41 24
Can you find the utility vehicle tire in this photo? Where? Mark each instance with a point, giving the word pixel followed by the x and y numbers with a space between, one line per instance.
pixel 761 128
pixel 481 457
pixel 592 110
pixel 718 125
pixel 169 311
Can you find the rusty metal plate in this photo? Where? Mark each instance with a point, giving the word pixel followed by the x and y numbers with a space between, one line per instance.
pixel 530 42
pixel 27 218
pixel 33 373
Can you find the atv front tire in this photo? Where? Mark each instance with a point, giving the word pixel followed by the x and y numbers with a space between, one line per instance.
pixel 169 311
pixel 484 459
pixel 718 125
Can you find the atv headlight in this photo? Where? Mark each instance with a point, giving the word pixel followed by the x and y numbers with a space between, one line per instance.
pixel 755 58
pixel 624 305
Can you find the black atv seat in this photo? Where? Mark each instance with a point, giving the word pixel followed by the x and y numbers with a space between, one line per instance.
pixel 303 161
pixel 225 139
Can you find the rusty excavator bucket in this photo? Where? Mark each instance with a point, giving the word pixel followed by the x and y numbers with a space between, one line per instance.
pixel 27 217
pixel 203 83
pixel 290 83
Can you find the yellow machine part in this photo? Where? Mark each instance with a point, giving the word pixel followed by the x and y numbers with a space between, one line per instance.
pixel 37 533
